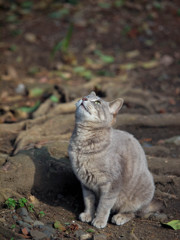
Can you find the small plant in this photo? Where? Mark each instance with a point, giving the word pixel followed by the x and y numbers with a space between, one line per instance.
pixel 41 214
pixel 13 226
pixel 63 45
pixel 119 3
pixel 178 12
pixel 22 202
pixel 31 207
pixel 126 30
pixel 158 5
pixel 10 203
pixel 13 47
pixel 83 72
pixel 105 58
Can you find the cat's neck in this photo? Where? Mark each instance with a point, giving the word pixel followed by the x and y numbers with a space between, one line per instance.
pixel 89 130
pixel 91 139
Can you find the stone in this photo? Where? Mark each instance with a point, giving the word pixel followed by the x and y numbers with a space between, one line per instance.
pixel 85 236
pixel 38 223
pixel 15 217
pixel 2 220
pixel 22 212
pixel 23 224
pixel 37 235
pixel 162 217
pixel 175 140
pixel 81 235
pixel 49 231
pixel 27 219
pixel 99 237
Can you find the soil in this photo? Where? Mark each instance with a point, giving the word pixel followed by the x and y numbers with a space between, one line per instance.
pixel 118 49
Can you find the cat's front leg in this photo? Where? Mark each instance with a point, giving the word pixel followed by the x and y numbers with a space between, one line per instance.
pixel 89 202
pixel 106 202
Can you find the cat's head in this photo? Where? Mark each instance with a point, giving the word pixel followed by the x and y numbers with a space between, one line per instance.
pixel 92 110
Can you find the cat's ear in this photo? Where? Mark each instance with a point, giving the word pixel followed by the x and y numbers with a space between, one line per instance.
pixel 115 106
pixel 93 94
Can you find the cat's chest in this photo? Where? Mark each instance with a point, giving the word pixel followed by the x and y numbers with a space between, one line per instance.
pixel 87 169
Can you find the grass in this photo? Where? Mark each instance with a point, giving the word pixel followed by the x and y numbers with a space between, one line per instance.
pixel 63 45
pixel 11 203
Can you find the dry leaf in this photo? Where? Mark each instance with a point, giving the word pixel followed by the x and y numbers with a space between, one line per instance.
pixel 149 64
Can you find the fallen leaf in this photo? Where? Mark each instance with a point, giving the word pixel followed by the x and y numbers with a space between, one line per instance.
pixel 74 227
pixel 59 226
pixel 36 92
pixel 128 66
pixel 90 230
pixel 174 224
pixel 30 37
pixel 132 54
pixel 104 58
pixel 60 13
pixel 133 33
pixel 54 99
pixel 149 64
pixel 30 109
pixel 146 140
pixel 24 231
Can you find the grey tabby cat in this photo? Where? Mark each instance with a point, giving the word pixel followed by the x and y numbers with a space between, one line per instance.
pixel 110 164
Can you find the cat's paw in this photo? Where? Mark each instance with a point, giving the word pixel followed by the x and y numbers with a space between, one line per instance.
pixel 120 219
pixel 85 217
pixel 99 222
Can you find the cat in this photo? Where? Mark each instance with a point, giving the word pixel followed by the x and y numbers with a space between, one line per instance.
pixel 110 164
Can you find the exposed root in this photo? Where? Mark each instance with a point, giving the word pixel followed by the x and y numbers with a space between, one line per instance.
pixel 154 120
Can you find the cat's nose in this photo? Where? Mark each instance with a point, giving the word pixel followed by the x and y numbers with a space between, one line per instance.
pixel 84 99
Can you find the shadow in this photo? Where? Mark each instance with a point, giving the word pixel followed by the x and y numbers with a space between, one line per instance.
pixel 54 182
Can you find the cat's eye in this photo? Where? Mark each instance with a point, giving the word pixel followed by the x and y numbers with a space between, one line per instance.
pixel 97 102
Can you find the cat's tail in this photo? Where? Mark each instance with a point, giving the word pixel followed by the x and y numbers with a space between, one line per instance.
pixel 155 206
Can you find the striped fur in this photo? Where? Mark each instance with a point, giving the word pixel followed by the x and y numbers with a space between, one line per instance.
pixel 110 164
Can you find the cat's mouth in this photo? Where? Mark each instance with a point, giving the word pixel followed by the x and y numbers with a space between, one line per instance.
pixel 84 108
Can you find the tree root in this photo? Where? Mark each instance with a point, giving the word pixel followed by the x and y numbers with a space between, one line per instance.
pixel 154 120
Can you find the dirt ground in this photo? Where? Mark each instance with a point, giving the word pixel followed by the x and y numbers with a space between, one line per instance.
pixel 53 52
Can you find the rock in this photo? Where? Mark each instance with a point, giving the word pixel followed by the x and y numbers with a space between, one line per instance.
pixel 23 224
pixel 175 140
pixel 85 236
pixel 21 89
pixel 80 234
pixel 37 235
pixel 22 212
pixel 2 220
pixel 99 237
pixel 27 219
pixel 38 223
pixel 15 217
pixel 159 217
pixel 166 60
pixel 49 231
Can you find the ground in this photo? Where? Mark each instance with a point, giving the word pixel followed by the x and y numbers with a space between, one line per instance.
pixel 52 53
